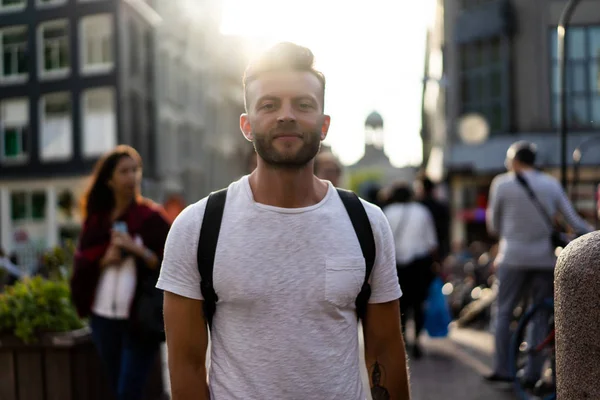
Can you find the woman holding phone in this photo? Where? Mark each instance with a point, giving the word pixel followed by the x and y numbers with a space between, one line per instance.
pixel 116 266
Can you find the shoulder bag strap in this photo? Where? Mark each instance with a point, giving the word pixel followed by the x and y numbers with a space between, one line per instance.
pixel 521 179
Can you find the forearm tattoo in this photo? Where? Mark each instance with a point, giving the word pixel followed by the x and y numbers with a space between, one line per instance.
pixel 378 392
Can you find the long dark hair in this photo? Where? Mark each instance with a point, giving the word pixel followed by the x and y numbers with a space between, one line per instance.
pixel 99 197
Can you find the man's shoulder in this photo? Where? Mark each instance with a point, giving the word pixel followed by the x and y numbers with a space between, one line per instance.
pixel 373 211
pixel 503 179
pixel 548 179
pixel 191 217
pixel 193 214
pixel 375 214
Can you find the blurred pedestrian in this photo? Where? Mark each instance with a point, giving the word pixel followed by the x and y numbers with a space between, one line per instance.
pixel 416 243
pixel 440 213
pixel 117 262
pixel 328 167
pixel 285 276
pixel 526 258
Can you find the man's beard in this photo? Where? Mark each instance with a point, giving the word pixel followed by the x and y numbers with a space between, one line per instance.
pixel 311 144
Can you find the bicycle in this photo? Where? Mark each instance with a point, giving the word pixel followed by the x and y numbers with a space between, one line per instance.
pixel 522 352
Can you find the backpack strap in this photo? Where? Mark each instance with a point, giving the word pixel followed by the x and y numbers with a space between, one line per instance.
pixel 362 228
pixel 207 247
pixel 209 236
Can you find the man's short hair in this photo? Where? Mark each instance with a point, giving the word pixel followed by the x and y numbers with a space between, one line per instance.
pixel 522 151
pixel 284 56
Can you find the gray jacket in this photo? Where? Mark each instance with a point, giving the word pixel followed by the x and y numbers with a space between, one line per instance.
pixel 524 232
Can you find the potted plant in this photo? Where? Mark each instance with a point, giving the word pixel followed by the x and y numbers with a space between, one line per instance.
pixel 45 348
pixel 36 306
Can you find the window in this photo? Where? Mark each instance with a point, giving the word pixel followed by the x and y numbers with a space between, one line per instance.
pixel 466 4
pixel 54 59
pixel 482 82
pixel 149 46
pixel 14 53
pixel 12 5
pixel 184 71
pixel 136 123
pixel 150 160
pixel 49 3
pixel 26 206
pixel 97 43
pixel 173 79
pixel 583 77
pixel 184 137
pixel 165 75
pixel 134 48
pixel 100 122
pixel 55 126
pixel 14 126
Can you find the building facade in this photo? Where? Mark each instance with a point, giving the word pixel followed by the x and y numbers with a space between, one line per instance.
pixel 64 100
pixel 78 77
pixel 500 62
pixel 199 92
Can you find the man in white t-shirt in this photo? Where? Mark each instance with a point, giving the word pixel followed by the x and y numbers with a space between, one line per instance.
pixel 288 266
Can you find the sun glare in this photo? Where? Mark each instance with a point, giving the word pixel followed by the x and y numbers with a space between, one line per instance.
pixel 371 59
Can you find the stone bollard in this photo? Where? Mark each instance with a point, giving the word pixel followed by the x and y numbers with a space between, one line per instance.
pixel 577 319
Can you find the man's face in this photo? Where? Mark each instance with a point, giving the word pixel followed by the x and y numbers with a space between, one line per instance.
pixel 285 119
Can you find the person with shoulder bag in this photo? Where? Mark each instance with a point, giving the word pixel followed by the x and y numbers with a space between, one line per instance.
pixel 116 265
pixel 521 210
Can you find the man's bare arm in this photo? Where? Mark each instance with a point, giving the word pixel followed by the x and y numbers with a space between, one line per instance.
pixel 187 341
pixel 385 354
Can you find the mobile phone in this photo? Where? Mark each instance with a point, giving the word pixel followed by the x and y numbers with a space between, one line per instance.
pixel 121 226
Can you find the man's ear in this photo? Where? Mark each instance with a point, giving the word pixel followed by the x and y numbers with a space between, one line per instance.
pixel 245 127
pixel 325 126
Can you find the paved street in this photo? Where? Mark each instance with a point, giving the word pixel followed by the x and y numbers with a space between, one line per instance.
pixel 451 368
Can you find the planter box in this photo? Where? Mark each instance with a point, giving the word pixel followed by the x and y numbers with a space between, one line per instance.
pixel 61 366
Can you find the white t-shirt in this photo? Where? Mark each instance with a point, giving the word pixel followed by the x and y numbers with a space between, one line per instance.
pixel 116 288
pixel 413 229
pixel 287 279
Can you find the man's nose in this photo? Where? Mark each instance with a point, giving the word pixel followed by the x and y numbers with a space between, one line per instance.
pixel 286 114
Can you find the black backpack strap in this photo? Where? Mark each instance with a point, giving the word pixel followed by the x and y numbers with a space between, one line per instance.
pixel 362 227
pixel 207 246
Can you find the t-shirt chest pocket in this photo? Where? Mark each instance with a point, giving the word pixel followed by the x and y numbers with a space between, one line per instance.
pixel 344 277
